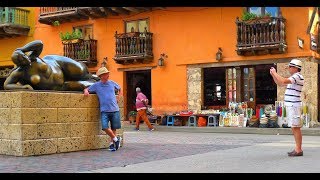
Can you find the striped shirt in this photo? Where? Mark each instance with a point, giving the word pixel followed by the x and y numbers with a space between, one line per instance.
pixel 293 92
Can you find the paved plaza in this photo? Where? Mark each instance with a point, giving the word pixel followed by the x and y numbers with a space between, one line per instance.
pixel 175 152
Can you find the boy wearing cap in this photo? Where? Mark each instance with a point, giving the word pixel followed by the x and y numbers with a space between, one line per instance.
pixel 292 101
pixel 141 105
pixel 105 90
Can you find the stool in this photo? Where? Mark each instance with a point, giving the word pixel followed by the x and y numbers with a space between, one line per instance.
pixel 192 121
pixel 170 121
pixel 212 121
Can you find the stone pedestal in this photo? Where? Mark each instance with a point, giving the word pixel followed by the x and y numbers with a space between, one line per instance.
pixel 36 123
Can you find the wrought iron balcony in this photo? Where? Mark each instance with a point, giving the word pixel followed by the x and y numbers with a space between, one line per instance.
pixel 83 51
pixel 13 22
pixel 133 47
pixel 48 15
pixel 262 36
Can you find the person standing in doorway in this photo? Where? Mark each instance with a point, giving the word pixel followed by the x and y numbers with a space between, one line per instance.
pixel 292 101
pixel 141 106
pixel 105 90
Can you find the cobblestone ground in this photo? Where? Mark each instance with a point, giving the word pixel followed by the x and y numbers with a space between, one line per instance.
pixel 138 147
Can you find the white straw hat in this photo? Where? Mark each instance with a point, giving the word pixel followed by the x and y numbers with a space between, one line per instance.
pixel 296 63
pixel 102 70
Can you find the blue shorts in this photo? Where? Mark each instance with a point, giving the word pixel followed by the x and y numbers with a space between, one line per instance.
pixel 113 117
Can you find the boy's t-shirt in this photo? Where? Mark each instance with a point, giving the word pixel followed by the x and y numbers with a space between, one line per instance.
pixel 106 95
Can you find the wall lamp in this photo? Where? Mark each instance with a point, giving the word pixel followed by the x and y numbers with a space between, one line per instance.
pixel 104 62
pixel 161 59
pixel 219 54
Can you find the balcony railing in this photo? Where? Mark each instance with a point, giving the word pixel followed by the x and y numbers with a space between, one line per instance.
pixel 83 51
pixel 261 36
pixel 48 15
pixel 13 22
pixel 44 11
pixel 133 47
pixel 14 15
pixel 67 14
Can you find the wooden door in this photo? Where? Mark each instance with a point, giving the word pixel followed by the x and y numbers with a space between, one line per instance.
pixel 249 93
pixel 134 79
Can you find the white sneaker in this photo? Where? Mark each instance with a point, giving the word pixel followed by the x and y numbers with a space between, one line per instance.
pixel 117 143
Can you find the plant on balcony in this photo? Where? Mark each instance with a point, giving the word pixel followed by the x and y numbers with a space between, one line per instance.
pixel 69 37
pixel 252 18
pixel 56 23
pixel 246 16
pixel 72 37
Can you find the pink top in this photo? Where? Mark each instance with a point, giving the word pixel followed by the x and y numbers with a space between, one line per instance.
pixel 139 104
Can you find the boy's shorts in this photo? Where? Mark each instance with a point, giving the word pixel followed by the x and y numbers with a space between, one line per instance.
pixel 113 118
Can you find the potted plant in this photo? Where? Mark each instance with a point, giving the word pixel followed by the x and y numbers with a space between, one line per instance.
pixel 71 37
pixel 247 16
pixel 251 18
pixel 132 116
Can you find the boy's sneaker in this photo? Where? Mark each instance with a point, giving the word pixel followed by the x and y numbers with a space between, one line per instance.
pixel 136 129
pixel 111 147
pixel 117 143
pixel 152 129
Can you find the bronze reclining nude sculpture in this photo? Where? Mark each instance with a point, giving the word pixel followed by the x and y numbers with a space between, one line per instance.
pixel 52 72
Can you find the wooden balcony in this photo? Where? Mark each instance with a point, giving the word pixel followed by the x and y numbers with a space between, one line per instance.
pixel 13 22
pixel 133 47
pixel 70 14
pixel 262 36
pixel 48 15
pixel 83 51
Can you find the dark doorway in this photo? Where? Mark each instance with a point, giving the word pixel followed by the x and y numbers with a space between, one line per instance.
pixel 142 79
pixel 214 87
pixel 266 88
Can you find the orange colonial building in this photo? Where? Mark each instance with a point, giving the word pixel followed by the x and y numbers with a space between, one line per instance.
pixel 210 57
pixel 17 26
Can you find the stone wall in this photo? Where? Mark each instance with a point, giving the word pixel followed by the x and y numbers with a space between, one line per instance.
pixel 310 89
pixel 36 123
pixel 194 90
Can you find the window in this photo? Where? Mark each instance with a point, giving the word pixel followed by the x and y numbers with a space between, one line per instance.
pixel 260 11
pixel 251 84
pixel 87 31
pixel 232 84
pixel 248 84
pixel 137 25
pixel 249 91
